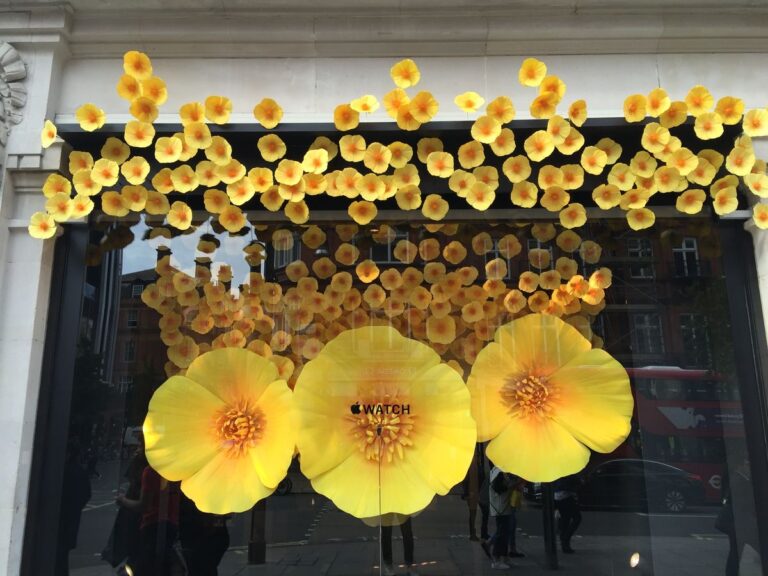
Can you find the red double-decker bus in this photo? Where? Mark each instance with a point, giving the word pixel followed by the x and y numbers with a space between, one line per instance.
pixel 685 418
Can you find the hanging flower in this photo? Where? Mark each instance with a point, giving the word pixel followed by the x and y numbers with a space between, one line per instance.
pixel 226 430
pixel 690 201
pixel 544 398
pixel 640 218
pixel 137 65
pixel 485 129
pixel 501 109
pixel 577 112
pixel 268 113
pixel 139 134
pixel 423 107
pixel 635 108
pixel 90 117
pixel 48 134
pixel 405 73
pixel 504 143
pixel 532 72
pixel 271 147
pixel 469 102
pixel 218 109
pixel 362 212
pixel 372 407
pixel 128 87
pixel 760 216
pixel 367 104
pixel 699 100
pixel 539 145
pixel 154 88
pixel 345 118
pixel 434 207
pixel 674 115
pixel 41 226
pixel 657 102
pixel 143 109
pixel 180 215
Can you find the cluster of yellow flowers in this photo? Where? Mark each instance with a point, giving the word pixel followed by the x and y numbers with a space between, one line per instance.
pixel 446 299
pixel 660 165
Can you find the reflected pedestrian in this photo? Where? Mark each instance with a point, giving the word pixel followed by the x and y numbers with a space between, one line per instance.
pixel 504 499
pixel 406 529
pixel 567 504
pixel 204 539
pixel 75 492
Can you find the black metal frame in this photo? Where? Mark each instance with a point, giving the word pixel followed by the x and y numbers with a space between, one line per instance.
pixel 53 409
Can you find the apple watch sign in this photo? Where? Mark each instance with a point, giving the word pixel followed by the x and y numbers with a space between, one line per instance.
pixel 379 409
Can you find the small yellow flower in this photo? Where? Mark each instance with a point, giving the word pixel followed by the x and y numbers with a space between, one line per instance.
pixel 577 112
pixel 59 206
pixel 367 104
pixel 56 184
pixel 191 113
pixel 157 204
pixel 401 154
pixel 667 178
pixel 137 64
pixel 405 73
pixel 635 108
pixel 573 176
pixel 674 115
pixel 83 161
pixel 105 172
pixel 423 107
pixel 135 197
pixel 699 100
pixel 552 85
pixel 469 102
pixel 740 161
pixel 90 117
pixel 708 126
pixel 128 87
pixel 480 196
pixel 48 134
pixel 180 215
pixel 81 206
pixel 154 88
pixel 288 172
pixel 730 109
pixel 524 194
pixel 657 102
pixel 168 149
pixel 755 123
pixel 726 201
pixel 139 134
pixel 485 129
pixel 219 151
pixel 501 109
pixel 218 109
pixel 85 184
pixel 370 187
pixel 297 212
pixel 440 164
pixel 758 184
pixel 114 204
pixel 362 212
pixel 184 179
pixel 434 207
pixel 516 168
pixel 41 226
pixel 135 170
pixel 572 143
pixel 640 218
pixel 573 216
pixel 635 198
pixel 539 145
pixel 197 135
pixel 555 198
pixel 593 160
pixel 143 109
pixel 532 72
pixel 268 113
pixel 704 172
pixel 377 157
pixel 760 216
pixel 271 147
pixel 215 201
pixel 460 182
pixel 544 106
pixel 504 143
pixel 241 191
pixel 395 101
pixel 691 201
pixel 559 128
pixel 643 165
pixel 345 118
pixel 606 196
pixel 408 197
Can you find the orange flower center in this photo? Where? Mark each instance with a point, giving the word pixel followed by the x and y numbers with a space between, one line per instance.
pixel 239 428
pixel 383 429
pixel 528 395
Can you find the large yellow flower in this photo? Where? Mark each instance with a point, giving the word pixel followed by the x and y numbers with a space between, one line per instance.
pixel 384 425
pixel 544 397
pixel 226 430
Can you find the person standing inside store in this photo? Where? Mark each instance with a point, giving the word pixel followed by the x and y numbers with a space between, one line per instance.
pixel 567 504
pixel 158 532
pixel 503 502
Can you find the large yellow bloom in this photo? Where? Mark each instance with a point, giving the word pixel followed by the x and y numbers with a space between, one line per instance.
pixel 544 397
pixel 226 430
pixel 412 438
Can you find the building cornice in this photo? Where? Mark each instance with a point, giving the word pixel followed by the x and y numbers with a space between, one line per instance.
pixel 362 28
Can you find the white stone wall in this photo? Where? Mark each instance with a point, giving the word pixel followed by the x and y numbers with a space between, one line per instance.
pixel 319 73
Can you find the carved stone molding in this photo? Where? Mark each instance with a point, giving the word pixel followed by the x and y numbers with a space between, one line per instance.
pixel 13 95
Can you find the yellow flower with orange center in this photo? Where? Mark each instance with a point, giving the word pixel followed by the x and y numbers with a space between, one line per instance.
pixel 405 73
pixel 373 408
pixel 469 102
pixel 218 109
pixel 137 65
pixel 543 398
pixel 345 118
pixel 48 134
pixel 268 112
pixel 532 72
pixel 90 117
pixel 226 430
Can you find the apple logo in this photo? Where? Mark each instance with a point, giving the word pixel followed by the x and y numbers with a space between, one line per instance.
pixel 355 408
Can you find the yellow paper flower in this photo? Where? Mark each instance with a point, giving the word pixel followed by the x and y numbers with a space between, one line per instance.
pixel 191 113
pixel 157 204
pixel 480 196
pixel 543 398
pixel 184 179
pixel 288 172
pixel 48 134
pixel 135 170
pixel 559 128
pixel 137 64
pixel 516 168
pixel 362 212
pixel 640 218
pixel 114 204
pixel 577 112
pixel 405 73
pixel 635 108
pixel 180 215
pixel 90 117
pixel 755 123
pixel 760 216
pixel 271 147
pixel 501 109
pixel 544 105
pixel 440 164
pixel 105 172
pixel 708 126
pixel 573 216
pixel 555 198
pixel 726 201
pixel 154 88
pixel 657 102
pixel 128 87
pixel 730 109
pixel 471 154
pixel 226 430
pixel 699 100
pixel 740 161
pixel 59 206
pixel 84 183
pixel 83 161
pixel 143 109
pixel 297 212
pixel 168 149
pixel 135 197
pixel 524 194
pixel 345 118
pixel 218 109
pixel 532 72
pixel 504 143
pixel 197 135
pixel 593 160
pixel 691 201
pixel 41 226
pixel 573 142
pixel 469 102
pixel 434 207
pixel 539 145
pixel 757 184
pixel 395 454
pixel 485 129
pixel 268 112
pixel 367 104
pixel 423 107
pixel 377 157
pixel 56 184
pixel 552 85
pixel 139 134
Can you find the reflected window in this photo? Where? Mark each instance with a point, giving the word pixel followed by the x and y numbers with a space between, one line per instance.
pixel 136 290
pixel 640 253
pixel 686 258
pixel 284 257
pixel 695 336
pixel 647 337
pixel 129 351
pixel 132 318
pixel 383 253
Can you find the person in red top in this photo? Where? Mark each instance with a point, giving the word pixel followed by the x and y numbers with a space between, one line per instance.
pixel 159 506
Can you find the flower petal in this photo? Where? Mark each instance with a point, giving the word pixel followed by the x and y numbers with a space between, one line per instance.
pixel 595 400
pixel 226 485
pixel 233 374
pixel 274 451
pixel 177 429
pixel 538 450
